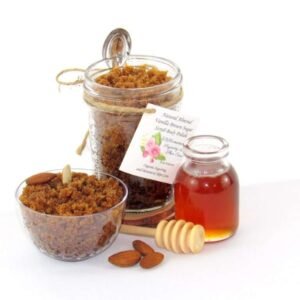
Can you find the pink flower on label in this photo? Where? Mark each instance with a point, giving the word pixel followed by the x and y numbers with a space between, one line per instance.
pixel 150 144
pixel 154 151
pixel 151 148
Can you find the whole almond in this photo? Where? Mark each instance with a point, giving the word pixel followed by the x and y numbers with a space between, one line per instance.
pixel 151 260
pixel 142 247
pixel 125 258
pixel 40 178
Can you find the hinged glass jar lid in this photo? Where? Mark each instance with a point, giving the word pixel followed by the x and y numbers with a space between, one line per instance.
pixel 118 89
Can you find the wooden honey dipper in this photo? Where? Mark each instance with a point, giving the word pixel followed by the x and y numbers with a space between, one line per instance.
pixel 178 236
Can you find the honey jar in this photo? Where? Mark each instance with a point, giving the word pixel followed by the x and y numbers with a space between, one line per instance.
pixel 207 187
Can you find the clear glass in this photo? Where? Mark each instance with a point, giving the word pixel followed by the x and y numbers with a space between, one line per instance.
pixel 73 238
pixel 207 187
pixel 111 131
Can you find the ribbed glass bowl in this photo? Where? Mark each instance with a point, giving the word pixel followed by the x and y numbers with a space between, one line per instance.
pixel 73 238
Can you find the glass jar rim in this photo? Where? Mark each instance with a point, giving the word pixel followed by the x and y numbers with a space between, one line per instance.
pixel 206 148
pixel 88 80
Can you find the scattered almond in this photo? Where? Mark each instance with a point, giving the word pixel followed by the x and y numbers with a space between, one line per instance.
pixel 142 247
pixel 151 260
pixel 40 178
pixel 125 258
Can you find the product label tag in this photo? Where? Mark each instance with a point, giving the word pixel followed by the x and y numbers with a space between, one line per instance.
pixel 155 151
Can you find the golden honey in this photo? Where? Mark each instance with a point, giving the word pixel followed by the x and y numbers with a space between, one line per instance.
pixel 207 188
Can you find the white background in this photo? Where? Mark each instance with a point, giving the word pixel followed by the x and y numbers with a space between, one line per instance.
pixel 241 66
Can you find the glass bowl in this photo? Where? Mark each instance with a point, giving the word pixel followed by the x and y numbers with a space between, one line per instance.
pixel 73 238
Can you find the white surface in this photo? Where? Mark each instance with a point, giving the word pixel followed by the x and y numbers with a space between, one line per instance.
pixel 240 61
pixel 260 262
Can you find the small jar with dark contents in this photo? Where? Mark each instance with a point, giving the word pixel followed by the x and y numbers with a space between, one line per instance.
pixel 207 187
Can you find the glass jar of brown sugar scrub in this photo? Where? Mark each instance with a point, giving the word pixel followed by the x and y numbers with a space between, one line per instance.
pixel 118 96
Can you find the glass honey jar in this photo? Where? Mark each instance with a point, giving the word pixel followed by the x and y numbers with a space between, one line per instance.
pixel 207 187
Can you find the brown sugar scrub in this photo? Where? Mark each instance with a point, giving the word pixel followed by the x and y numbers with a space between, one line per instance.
pixel 118 97
pixel 84 195
pixel 133 77
pixel 72 221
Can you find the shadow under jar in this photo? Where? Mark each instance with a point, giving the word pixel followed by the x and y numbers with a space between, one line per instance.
pixel 114 116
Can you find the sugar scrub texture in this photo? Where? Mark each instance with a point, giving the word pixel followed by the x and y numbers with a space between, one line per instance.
pixel 84 195
pixel 133 77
